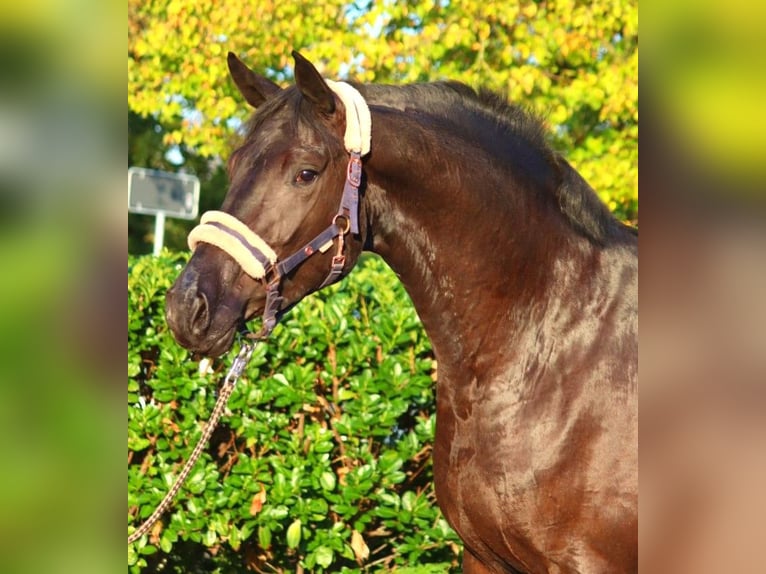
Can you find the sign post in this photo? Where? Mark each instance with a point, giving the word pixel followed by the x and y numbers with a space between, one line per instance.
pixel 162 194
pixel 159 233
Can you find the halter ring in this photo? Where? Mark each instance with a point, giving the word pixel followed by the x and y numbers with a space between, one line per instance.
pixel 347 223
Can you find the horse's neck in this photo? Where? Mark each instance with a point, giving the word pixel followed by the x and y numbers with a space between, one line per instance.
pixel 475 266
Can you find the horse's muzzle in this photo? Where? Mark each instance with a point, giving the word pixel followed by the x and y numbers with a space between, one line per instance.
pixel 200 320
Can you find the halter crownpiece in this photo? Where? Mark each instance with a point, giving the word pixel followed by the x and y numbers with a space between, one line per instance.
pixel 357 141
pixel 257 258
pixel 358 120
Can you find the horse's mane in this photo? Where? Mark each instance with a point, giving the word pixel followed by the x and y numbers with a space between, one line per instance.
pixel 576 199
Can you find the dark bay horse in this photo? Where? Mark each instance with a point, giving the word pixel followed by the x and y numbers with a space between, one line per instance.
pixel 524 282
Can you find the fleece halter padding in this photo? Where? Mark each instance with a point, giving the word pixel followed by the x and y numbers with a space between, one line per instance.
pixel 358 120
pixel 235 238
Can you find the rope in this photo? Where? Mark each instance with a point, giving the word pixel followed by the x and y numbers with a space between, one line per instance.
pixel 234 373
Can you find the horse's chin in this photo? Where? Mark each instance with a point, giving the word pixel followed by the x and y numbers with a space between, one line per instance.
pixel 213 345
pixel 221 346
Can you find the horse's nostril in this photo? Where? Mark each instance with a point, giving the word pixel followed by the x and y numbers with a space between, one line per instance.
pixel 199 315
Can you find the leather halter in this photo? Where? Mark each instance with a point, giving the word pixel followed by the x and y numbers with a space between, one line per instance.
pixel 258 259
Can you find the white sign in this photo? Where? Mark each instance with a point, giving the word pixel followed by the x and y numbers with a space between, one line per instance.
pixel 152 192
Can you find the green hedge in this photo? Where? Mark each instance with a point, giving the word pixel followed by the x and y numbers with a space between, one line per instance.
pixel 323 454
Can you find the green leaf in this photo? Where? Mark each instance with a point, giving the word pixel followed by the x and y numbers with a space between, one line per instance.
pixel 264 537
pixel 209 538
pixel 324 556
pixel 327 480
pixel 234 538
pixel 137 443
pixel 132 555
pixel 293 535
pixel 148 549
pixel 408 500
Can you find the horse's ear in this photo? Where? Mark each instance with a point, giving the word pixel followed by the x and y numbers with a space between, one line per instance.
pixel 256 89
pixel 312 86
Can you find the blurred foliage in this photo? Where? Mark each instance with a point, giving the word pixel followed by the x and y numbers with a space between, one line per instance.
pixel 573 62
pixel 708 84
pixel 322 460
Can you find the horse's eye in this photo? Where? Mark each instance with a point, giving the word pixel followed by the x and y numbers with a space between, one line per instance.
pixel 306 176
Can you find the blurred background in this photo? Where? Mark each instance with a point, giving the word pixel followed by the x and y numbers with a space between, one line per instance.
pixel 702 353
pixel 62 318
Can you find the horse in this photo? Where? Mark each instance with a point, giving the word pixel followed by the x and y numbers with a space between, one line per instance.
pixel 525 283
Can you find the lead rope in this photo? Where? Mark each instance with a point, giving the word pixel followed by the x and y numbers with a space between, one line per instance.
pixel 235 371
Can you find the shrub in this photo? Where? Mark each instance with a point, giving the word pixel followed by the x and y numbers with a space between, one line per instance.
pixel 322 460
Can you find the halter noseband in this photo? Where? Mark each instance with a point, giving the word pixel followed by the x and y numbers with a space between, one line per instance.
pixel 257 258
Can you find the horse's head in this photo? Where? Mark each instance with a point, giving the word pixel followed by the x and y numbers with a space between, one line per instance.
pixel 286 184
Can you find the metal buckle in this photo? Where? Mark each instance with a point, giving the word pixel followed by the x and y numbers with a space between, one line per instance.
pixel 240 363
pixel 354 170
pixel 338 261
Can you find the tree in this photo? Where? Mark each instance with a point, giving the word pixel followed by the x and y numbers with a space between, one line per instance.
pixel 574 62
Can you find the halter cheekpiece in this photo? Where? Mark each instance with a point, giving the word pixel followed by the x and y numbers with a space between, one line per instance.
pixel 257 258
